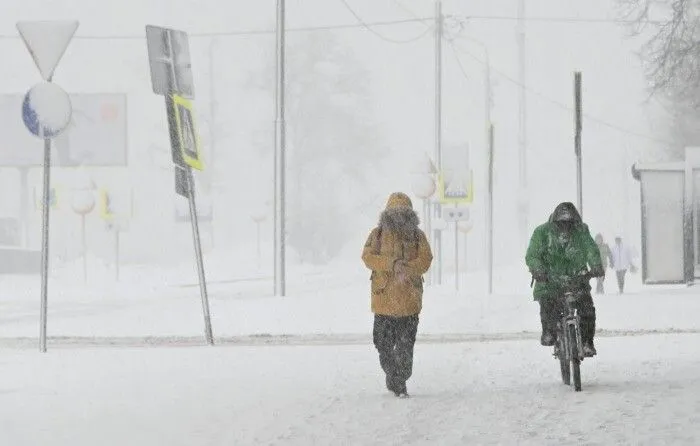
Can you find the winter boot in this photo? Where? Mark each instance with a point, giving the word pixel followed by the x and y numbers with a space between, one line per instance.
pixel 589 350
pixel 547 339
pixel 401 390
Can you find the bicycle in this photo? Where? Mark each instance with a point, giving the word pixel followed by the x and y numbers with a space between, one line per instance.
pixel 569 346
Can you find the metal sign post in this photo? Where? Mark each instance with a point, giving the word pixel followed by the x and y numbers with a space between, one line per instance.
pixel 577 142
pixel 489 213
pixel 456 214
pixel 171 76
pixel 46 112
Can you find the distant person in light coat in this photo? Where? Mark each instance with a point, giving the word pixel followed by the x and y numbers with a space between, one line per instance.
pixel 621 262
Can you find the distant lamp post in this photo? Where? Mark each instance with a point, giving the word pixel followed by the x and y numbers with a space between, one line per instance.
pixel 83 202
pixel 259 215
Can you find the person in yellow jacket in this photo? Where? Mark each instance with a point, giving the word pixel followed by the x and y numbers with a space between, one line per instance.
pixel 398 254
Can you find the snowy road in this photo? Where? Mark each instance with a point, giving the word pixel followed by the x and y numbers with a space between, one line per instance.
pixel 640 390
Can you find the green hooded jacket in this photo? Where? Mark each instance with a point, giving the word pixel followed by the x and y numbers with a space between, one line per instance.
pixel 549 252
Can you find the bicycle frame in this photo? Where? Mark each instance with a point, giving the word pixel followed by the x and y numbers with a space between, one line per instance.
pixel 570 318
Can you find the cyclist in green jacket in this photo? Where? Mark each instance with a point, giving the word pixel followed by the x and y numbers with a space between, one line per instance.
pixel 558 249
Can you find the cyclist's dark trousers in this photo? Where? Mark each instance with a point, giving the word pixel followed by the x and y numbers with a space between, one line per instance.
pixel 394 338
pixel 551 310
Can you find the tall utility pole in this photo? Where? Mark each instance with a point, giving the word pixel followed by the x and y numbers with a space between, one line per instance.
pixel 280 156
pixel 577 142
pixel 437 245
pixel 523 206
pixel 489 210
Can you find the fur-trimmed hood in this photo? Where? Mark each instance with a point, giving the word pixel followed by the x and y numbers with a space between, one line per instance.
pixel 399 217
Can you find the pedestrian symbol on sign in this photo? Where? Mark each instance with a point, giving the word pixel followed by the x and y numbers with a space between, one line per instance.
pixel 187 133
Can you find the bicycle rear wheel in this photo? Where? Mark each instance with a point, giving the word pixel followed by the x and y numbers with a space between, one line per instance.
pixel 575 361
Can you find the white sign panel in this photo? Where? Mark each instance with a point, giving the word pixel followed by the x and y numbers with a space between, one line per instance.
pixel 47 42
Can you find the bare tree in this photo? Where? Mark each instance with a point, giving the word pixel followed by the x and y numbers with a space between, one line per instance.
pixel 672 52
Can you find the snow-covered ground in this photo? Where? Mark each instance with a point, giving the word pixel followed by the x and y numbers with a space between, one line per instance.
pixel 127 363
pixel 640 390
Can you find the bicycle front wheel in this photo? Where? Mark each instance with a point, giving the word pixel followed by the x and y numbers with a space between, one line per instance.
pixel 563 359
pixel 575 361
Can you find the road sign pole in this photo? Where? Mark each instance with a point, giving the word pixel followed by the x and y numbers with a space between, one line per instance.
pixel 200 261
pixel 280 149
pixel 45 242
pixel 46 117
pixel 116 253
pixel 456 255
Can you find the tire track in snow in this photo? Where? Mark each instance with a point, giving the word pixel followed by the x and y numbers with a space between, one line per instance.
pixel 298 340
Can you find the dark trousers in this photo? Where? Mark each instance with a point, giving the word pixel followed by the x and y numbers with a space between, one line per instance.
pixel 394 338
pixel 599 285
pixel 552 309
pixel 621 280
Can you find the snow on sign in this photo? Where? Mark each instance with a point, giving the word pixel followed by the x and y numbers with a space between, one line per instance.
pixel 46 110
pixel 46 42
pixel 169 58
pixel 455 181
pixel 186 132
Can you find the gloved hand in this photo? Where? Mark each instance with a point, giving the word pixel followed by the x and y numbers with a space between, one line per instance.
pixel 400 270
pixel 597 271
pixel 540 276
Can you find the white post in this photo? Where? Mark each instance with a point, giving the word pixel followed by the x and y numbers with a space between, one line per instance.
pixel 577 142
pixel 489 213
pixel 83 237
pixel 456 255
pixel 280 155
pixel 46 198
pixel 523 198
pixel 437 246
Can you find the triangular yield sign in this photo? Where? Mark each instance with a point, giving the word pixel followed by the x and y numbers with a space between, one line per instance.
pixel 47 41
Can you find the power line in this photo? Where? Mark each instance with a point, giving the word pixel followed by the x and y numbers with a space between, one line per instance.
pixel 459 61
pixel 250 32
pixel 381 36
pixel 555 102
pixel 426 22
pixel 566 19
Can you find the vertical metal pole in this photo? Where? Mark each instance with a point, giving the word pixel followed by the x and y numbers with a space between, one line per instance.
pixel 426 219
pixel 280 155
pixel 24 204
pixel 116 253
pixel 212 134
pixel 577 142
pixel 522 128
pixel 45 243
pixel 257 228
pixel 489 213
pixel 212 108
pixel 456 256
pixel 438 122
pixel 84 246
pixel 200 260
